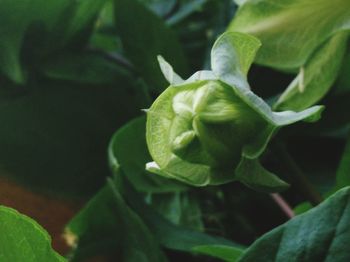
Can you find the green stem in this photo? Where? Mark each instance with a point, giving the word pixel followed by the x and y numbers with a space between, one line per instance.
pixel 298 177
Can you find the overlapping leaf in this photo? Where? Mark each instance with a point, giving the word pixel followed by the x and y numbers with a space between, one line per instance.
pixel 32 29
pixel 22 239
pixel 321 234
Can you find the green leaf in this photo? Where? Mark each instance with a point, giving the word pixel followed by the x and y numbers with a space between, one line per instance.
pixel 160 7
pixel 128 152
pixel 169 235
pixel 279 25
pixel 107 226
pixel 343 82
pixel 180 208
pixel 343 172
pixel 87 68
pixel 231 57
pixel 226 253
pixel 22 239
pixel 252 174
pixel 321 234
pixel 317 76
pixel 145 36
pixel 31 29
pixel 186 9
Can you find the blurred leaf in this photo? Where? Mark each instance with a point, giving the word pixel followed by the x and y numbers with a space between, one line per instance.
pixel 128 151
pixel 161 7
pixel 321 234
pixel 31 29
pixel 343 82
pixel 56 133
pixel 180 208
pixel 88 67
pixel 343 172
pixel 169 235
pixel 302 208
pixel 316 78
pixel 145 36
pixel 107 226
pixel 105 35
pixel 186 8
pixel 22 239
pixel 279 25
pixel 226 253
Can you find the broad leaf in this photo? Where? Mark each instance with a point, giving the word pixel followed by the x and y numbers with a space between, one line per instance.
pixel 278 24
pixel 253 175
pixel 107 226
pixel 321 234
pixel 169 235
pixel 317 76
pixel 22 239
pixel 86 68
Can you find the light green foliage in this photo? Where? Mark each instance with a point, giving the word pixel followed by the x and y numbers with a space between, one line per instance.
pixel 199 129
pixel 298 35
pixel 291 30
pixel 22 239
pixel 317 76
pixel 321 234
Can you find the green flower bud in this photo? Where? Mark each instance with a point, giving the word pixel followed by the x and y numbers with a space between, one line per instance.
pixel 211 124
pixel 204 123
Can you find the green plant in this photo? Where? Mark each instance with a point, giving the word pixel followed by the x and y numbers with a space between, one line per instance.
pixel 218 164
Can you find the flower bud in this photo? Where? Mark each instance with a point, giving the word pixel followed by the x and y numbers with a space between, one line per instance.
pixel 206 123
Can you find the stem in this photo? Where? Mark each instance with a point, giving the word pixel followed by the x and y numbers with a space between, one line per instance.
pixel 299 179
pixel 285 207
